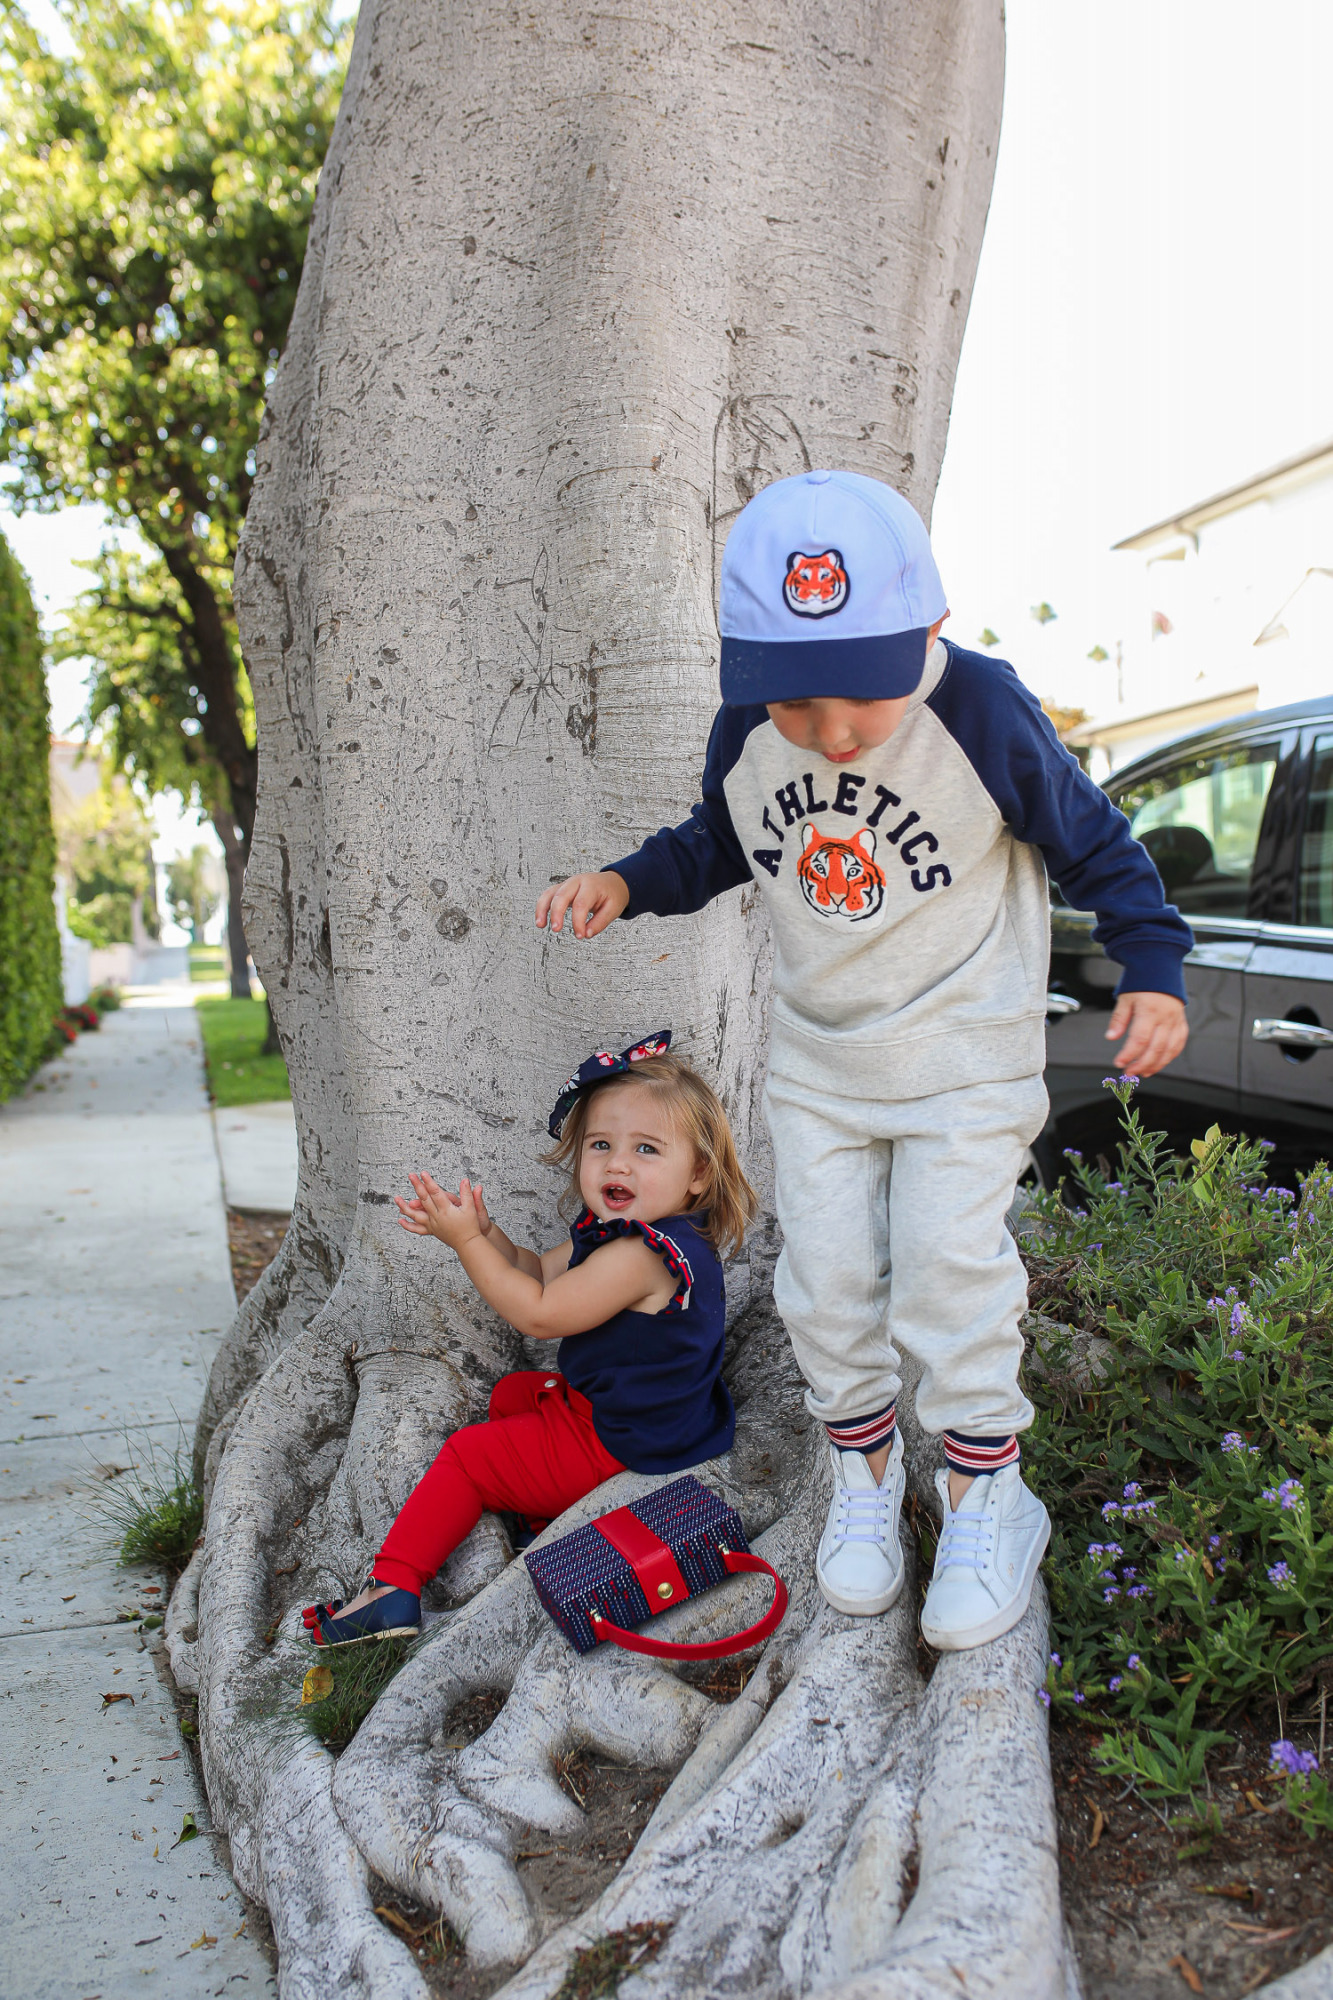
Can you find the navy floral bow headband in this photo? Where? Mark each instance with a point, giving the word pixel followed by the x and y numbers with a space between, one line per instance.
pixel 598 1068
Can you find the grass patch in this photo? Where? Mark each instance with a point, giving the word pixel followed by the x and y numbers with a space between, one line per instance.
pixel 1184 1445
pixel 154 1509
pixel 356 1678
pixel 233 1032
pixel 596 1971
pixel 208 962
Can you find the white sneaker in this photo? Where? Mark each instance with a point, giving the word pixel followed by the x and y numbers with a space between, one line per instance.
pixel 986 1562
pixel 860 1559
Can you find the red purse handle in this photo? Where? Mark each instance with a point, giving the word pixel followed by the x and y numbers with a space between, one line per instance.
pixel 712 1649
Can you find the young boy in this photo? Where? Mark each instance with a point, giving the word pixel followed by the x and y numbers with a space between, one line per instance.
pixel 899 801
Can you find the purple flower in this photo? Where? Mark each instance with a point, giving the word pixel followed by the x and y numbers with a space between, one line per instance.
pixel 1114 1685
pixel 1289 1493
pixel 1237 1318
pixel 1214 1541
pixel 1043 1697
pixel 1133 1491
pixel 1281 1575
pixel 1238 1354
pixel 1073 1153
pixel 1141 1590
pixel 1268 1494
pixel 1078 1697
pixel 1094 1246
pixel 1129 1573
pixel 1109 1596
pixel 1268 1145
pixel 1109 1511
pixel 1055 1659
pixel 1296 1763
pixel 1221 1564
pixel 1131 1663
pixel 1233 1441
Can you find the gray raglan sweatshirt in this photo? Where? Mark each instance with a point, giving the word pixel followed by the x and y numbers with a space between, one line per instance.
pixel 908 889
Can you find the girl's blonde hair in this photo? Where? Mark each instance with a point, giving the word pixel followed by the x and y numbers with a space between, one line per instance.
pixel 727 1203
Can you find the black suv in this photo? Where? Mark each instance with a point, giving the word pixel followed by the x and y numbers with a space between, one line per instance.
pixel 1239 820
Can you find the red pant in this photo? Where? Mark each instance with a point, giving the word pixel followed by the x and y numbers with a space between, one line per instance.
pixel 537 1454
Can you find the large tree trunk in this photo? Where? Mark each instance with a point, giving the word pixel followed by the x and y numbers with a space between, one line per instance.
pixel 578 283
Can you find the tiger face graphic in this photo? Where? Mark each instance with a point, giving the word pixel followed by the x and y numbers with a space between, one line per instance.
pixel 815 586
pixel 840 878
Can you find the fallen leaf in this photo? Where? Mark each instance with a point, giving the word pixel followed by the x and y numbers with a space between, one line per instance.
pixel 189 1831
pixel 1239 1892
pixel 1258 1803
pixel 1262 1930
pixel 1182 1965
pixel 170 1757
pixel 397 1919
pixel 203 1938
pixel 70 1599
pixel 1098 1823
pixel 107 1699
pixel 151 1940
pixel 317 1683
pixel 291 1571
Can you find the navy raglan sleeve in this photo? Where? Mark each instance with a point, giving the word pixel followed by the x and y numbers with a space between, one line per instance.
pixel 1045 797
pixel 680 868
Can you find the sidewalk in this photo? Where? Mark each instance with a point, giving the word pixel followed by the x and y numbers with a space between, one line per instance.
pixel 114 1290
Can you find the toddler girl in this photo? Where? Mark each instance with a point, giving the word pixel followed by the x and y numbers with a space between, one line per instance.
pixel 635 1297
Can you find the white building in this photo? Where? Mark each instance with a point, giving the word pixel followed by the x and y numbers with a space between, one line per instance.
pixel 1237 593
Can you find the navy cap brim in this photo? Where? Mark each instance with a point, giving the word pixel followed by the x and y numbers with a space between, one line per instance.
pixel 880 668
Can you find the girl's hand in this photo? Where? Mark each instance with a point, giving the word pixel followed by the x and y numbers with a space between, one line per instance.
pixel 594 901
pixel 452 1218
pixel 1158 1031
pixel 484 1222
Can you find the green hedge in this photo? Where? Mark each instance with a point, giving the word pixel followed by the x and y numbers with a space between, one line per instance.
pixel 30 990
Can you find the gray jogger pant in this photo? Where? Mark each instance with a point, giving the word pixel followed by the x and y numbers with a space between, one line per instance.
pixel 893 1219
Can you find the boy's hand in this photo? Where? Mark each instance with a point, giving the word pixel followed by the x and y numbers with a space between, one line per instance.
pixel 594 901
pixel 1157 1027
pixel 453 1218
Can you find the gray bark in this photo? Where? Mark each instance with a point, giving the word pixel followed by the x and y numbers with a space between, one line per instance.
pixel 577 285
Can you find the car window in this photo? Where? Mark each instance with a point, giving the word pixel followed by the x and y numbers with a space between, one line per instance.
pixel 1200 822
pixel 1314 894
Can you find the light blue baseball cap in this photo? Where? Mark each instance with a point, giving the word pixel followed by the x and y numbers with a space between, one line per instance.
pixel 828 588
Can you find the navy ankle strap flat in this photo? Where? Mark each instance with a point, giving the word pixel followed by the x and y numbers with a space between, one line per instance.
pixel 395 1616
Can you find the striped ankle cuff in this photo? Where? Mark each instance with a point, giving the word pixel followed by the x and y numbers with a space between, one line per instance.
pixel 974 1455
pixel 865 1433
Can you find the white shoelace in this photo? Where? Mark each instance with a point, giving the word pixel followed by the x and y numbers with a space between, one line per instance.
pixel 864 1517
pixel 968 1542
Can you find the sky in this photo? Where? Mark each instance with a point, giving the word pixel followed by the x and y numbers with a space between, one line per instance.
pixel 1151 320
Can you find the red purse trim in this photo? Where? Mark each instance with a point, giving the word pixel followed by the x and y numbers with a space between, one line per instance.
pixel 648 1556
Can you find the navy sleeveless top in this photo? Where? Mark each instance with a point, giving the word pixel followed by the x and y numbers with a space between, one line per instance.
pixel 654 1380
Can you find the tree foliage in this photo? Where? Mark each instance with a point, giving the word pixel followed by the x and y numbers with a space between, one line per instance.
pixel 105 847
pixel 192 889
pixel 30 988
pixel 155 192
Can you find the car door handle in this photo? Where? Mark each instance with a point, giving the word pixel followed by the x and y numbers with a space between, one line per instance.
pixel 1293 1034
pixel 1058 1004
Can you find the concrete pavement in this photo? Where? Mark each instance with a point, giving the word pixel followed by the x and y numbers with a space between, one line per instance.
pixel 257 1147
pixel 115 1287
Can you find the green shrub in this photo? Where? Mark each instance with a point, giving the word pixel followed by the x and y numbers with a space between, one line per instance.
pixel 153 1509
pixel 1183 1442
pixel 30 988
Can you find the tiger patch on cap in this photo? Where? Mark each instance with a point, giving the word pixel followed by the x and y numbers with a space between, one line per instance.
pixel 815 586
